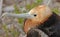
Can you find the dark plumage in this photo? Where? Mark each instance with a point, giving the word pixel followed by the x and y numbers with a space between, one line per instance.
pixel 51 27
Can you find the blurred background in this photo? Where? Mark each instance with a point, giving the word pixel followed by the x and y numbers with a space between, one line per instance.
pixel 13 27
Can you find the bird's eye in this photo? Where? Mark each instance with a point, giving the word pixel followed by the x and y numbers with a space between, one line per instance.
pixel 35 15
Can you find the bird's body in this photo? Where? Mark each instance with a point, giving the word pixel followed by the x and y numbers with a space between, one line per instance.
pixel 52 26
pixel 44 20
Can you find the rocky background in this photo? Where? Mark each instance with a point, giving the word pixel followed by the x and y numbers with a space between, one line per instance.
pixel 13 27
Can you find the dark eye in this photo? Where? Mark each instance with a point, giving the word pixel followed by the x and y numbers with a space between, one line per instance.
pixel 35 15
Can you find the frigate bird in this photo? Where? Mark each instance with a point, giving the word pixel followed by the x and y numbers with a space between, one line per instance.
pixel 40 18
pixel 45 20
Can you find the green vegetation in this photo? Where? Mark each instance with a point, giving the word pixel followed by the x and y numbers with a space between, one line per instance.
pixel 5 29
pixel 12 31
pixel 30 6
pixel 55 10
pixel 20 20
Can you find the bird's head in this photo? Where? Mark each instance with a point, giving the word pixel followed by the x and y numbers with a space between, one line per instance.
pixel 41 13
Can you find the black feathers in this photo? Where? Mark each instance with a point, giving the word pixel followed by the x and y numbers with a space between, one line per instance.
pixel 51 27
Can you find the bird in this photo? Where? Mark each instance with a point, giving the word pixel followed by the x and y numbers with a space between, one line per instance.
pixel 40 18
pixel 40 13
pixel 45 20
